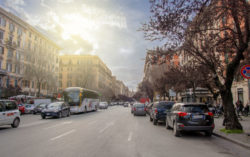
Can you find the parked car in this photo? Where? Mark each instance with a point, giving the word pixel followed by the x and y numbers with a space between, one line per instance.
pixel 158 111
pixel 56 109
pixel 9 113
pixel 29 108
pixel 139 109
pixel 131 106
pixel 21 108
pixel 103 105
pixel 149 108
pixel 190 117
pixel 126 104
pixel 39 108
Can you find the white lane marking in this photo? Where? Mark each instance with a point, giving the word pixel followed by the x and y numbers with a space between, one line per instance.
pixel 56 125
pixel 106 127
pixel 64 134
pixel 34 123
pixel 130 136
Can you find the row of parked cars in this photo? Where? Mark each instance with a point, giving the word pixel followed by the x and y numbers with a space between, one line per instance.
pixel 178 116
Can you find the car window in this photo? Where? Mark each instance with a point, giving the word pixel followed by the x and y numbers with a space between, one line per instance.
pixel 165 105
pixel 195 108
pixel 139 105
pixel 1 107
pixel 10 105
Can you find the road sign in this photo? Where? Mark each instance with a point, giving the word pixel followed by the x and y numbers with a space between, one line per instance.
pixel 245 71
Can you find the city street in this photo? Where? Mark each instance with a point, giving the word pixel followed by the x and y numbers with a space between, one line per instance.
pixel 114 132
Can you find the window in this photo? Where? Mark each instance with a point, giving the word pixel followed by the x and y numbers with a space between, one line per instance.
pixel 12 27
pixel 32 84
pixel 7 82
pixel 17 55
pixel 1 107
pixel 9 67
pixel 17 69
pixel 16 83
pixel 2 22
pixel 10 105
pixel 1 50
pixel 1 34
pixel 10 53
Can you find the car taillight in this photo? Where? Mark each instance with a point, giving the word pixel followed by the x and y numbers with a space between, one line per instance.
pixel 210 114
pixel 156 111
pixel 134 109
pixel 182 114
pixel 145 109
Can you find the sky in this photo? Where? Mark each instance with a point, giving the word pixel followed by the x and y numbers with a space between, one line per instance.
pixel 107 28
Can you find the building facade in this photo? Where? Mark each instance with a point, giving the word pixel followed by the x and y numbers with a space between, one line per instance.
pixel 88 71
pixel 28 59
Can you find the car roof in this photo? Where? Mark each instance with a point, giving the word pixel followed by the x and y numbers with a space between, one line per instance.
pixel 191 103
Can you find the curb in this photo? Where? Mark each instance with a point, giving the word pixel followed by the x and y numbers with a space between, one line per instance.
pixel 232 140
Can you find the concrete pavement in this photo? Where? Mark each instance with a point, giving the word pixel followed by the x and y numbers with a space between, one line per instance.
pixel 107 133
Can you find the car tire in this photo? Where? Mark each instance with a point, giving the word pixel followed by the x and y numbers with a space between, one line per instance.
pixel 155 121
pixel 167 126
pixel 209 133
pixel 43 116
pixel 34 112
pixel 150 118
pixel 177 133
pixel 59 115
pixel 15 123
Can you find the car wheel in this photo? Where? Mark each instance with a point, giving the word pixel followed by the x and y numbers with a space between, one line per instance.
pixel 43 116
pixel 177 133
pixel 209 133
pixel 34 112
pixel 167 126
pixel 155 121
pixel 60 115
pixel 150 118
pixel 15 123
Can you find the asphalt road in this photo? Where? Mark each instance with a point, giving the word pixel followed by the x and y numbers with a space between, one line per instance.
pixel 114 132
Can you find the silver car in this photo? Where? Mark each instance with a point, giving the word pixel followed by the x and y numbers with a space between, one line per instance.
pixel 9 113
pixel 139 109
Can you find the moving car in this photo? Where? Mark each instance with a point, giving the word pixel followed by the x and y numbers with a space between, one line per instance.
pixel 21 108
pixel 29 108
pixel 158 111
pixel 56 109
pixel 190 117
pixel 39 108
pixel 103 105
pixel 139 109
pixel 9 113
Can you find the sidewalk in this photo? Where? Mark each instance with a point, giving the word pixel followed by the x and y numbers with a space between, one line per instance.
pixel 240 139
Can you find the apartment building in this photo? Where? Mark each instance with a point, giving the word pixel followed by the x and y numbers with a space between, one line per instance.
pixel 28 59
pixel 88 71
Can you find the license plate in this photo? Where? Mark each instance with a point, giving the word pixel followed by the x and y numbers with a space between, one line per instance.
pixel 197 116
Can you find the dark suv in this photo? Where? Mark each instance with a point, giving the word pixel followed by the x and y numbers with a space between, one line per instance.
pixel 190 117
pixel 158 111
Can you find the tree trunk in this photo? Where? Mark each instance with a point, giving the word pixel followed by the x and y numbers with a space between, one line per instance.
pixel 230 117
pixel 194 94
pixel 39 86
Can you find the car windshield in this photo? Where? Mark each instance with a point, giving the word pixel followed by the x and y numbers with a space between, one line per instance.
pixel 54 105
pixel 165 105
pixel 139 105
pixel 195 108
pixel 42 105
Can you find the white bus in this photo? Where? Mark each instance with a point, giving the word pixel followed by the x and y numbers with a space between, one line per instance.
pixel 80 99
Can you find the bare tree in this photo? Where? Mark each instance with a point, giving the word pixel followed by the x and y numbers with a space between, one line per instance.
pixel 214 32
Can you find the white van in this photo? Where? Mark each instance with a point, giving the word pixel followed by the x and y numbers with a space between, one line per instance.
pixel 9 113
